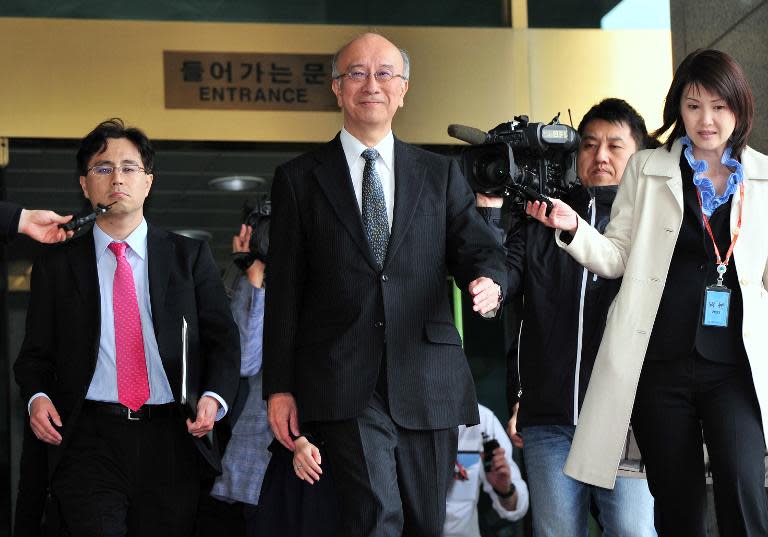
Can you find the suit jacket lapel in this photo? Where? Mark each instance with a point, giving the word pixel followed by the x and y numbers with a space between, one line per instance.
pixel 409 181
pixel 334 179
pixel 160 250
pixel 81 256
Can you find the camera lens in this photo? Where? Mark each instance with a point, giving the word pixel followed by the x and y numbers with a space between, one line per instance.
pixel 491 171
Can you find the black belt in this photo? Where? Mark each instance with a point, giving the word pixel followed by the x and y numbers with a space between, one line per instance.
pixel 145 413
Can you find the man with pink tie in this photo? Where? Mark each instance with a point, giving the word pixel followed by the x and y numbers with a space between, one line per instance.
pixel 101 362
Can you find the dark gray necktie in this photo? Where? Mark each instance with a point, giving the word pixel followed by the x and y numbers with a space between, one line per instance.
pixel 374 208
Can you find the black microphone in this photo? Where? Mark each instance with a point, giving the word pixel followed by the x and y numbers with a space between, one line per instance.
pixel 470 135
pixel 77 223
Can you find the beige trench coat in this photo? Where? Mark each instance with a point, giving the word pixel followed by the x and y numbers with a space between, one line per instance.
pixel 638 245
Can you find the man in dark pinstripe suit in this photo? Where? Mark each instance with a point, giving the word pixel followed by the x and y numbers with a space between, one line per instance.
pixel 359 343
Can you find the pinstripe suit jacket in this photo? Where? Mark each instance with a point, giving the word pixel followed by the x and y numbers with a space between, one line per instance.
pixel 331 314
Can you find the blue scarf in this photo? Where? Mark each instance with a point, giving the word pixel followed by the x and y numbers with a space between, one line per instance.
pixel 709 198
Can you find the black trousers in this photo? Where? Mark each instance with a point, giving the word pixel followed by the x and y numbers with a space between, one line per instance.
pixel 128 478
pixel 33 486
pixel 389 481
pixel 678 401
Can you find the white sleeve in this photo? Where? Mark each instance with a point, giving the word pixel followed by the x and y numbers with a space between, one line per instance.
pixel 29 404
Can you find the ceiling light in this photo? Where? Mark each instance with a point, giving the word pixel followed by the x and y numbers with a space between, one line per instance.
pixel 198 234
pixel 237 183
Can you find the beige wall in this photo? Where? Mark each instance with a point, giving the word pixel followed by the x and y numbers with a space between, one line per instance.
pixel 64 76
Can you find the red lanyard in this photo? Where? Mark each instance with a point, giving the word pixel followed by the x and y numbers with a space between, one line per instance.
pixel 720 263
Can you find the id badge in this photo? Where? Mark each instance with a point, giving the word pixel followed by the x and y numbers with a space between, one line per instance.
pixel 717 302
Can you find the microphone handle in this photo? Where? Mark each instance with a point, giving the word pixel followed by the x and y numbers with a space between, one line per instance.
pixel 77 223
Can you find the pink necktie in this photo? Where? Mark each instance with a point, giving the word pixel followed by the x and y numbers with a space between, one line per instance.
pixel 132 380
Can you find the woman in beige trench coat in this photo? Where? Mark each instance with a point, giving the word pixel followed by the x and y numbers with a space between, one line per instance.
pixel 663 342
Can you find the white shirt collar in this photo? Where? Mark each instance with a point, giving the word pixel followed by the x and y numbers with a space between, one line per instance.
pixel 353 149
pixel 137 240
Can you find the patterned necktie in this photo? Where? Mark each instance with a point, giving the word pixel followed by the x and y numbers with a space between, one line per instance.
pixel 132 379
pixel 374 208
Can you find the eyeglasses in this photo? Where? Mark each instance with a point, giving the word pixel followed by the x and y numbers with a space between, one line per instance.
pixel 129 170
pixel 382 77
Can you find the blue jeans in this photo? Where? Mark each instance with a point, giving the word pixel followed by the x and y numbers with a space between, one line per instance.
pixel 560 505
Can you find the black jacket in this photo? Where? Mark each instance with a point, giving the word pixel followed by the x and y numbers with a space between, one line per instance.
pixel 564 312
pixel 9 221
pixel 330 309
pixel 60 348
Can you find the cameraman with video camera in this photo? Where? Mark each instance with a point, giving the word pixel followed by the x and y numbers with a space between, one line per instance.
pixel 564 312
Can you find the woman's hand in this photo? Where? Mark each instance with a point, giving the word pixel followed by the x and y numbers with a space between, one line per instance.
pixel 306 460
pixel 561 217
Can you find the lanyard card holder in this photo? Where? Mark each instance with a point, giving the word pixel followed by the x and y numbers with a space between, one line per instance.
pixel 717 303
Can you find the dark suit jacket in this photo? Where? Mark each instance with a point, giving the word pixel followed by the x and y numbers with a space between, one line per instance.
pixel 58 356
pixel 9 220
pixel 331 314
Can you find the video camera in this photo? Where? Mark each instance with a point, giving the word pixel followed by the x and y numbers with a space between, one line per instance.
pixel 256 214
pixel 529 161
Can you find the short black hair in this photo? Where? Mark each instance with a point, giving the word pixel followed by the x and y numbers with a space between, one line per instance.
pixel 718 73
pixel 619 111
pixel 95 143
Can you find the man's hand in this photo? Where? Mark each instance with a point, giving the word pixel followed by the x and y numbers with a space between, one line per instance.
pixel 499 476
pixel 485 295
pixel 42 413
pixel 283 418
pixel 43 226
pixel 517 440
pixel 489 201
pixel 207 407
pixel 242 241
pixel 561 217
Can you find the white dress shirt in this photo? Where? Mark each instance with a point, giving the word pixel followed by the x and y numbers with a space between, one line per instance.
pixel 385 167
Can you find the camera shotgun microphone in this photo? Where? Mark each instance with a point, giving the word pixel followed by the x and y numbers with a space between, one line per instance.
pixel 470 135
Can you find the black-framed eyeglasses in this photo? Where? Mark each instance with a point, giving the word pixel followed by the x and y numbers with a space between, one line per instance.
pixel 128 170
pixel 382 77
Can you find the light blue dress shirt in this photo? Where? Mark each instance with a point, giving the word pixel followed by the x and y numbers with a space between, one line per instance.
pixel 104 383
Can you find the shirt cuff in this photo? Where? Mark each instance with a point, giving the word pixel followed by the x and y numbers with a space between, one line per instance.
pixel 222 411
pixel 29 405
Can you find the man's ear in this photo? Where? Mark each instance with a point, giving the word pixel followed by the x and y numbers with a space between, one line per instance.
pixel 403 90
pixel 150 179
pixel 336 87
pixel 84 186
